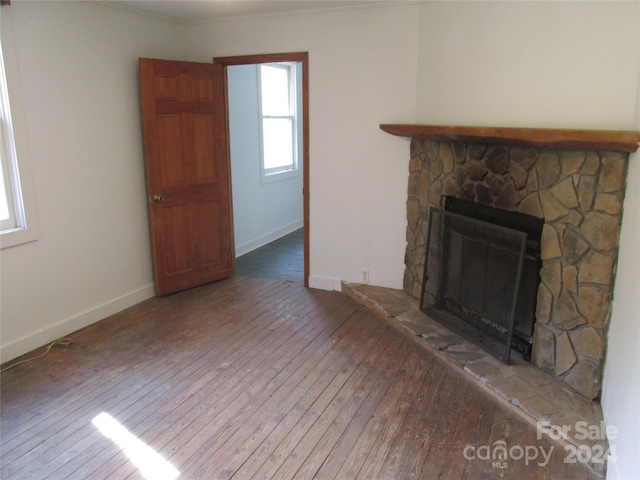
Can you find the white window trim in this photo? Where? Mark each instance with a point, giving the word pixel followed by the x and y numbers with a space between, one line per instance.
pixel 284 172
pixel 11 173
pixel 14 133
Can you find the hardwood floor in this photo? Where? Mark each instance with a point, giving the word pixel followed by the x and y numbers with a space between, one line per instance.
pixel 255 378
pixel 282 259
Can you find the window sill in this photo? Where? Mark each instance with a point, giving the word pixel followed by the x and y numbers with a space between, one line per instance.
pixel 18 236
pixel 275 177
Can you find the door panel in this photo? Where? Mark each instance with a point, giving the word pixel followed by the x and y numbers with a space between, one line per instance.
pixel 210 253
pixel 171 168
pixel 177 253
pixel 188 173
pixel 201 148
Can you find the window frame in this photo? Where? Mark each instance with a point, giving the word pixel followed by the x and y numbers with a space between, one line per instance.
pixel 20 192
pixel 10 171
pixel 290 170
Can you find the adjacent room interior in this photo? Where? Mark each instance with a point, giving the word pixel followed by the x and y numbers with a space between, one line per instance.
pixel 267 198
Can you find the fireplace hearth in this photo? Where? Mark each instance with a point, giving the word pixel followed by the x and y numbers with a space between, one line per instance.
pixel 481 274
pixel 573 181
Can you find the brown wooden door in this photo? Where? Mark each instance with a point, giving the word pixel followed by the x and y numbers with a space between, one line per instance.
pixel 188 173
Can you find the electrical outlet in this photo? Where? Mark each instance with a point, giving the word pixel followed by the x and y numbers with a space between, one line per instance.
pixel 365 276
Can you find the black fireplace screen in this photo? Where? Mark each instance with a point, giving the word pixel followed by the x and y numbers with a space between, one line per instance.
pixel 472 278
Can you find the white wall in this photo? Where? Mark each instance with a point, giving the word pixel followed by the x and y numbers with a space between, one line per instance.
pixel 262 212
pixel 551 64
pixel 621 389
pixel 72 68
pixel 362 73
pixel 531 64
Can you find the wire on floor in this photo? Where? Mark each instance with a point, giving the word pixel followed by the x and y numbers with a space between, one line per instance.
pixel 63 342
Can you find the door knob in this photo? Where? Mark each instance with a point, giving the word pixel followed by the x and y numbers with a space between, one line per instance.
pixel 158 198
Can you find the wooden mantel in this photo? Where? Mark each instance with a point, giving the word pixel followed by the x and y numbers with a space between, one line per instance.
pixel 552 139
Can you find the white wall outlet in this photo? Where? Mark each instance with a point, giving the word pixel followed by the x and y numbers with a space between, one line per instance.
pixel 365 276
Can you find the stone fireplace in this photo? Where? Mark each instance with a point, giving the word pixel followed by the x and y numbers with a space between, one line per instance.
pixel 575 183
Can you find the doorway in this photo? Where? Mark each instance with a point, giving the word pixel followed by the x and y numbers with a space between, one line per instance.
pixel 243 73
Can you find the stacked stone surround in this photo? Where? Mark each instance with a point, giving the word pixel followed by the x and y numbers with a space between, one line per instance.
pixel 579 195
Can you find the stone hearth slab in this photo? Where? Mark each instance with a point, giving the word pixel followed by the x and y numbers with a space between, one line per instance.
pixel 536 396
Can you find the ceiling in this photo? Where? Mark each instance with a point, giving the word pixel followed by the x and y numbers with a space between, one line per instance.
pixel 203 10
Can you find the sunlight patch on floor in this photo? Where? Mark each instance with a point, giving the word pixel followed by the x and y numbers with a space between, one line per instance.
pixel 150 463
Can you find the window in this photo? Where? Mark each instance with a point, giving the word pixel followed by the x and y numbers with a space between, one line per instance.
pixel 13 214
pixel 11 211
pixel 278 119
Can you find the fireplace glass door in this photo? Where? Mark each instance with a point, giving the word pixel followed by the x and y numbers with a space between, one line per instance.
pixel 472 276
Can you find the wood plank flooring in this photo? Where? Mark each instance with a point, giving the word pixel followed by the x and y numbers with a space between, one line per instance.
pixel 282 259
pixel 255 378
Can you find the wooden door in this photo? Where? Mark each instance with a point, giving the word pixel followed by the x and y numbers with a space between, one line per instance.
pixel 188 173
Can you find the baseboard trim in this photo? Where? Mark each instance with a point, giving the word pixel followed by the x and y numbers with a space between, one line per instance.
pixel 269 237
pixel 48 334
pixel 325 283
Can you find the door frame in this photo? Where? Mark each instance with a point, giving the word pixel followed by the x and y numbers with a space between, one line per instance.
pixel 303 58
